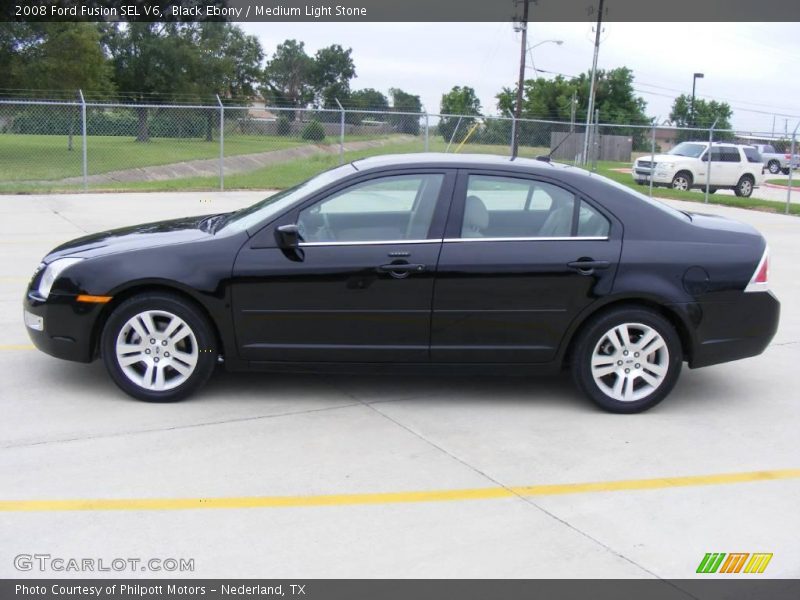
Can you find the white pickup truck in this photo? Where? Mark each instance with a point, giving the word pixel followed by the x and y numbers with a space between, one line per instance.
pixel 777 162
pixel 685 167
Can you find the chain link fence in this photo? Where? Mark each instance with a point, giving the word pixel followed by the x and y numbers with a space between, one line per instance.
pixel 80 145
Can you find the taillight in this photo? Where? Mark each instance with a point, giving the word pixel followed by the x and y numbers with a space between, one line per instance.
pixel 787 156
pixel 760 280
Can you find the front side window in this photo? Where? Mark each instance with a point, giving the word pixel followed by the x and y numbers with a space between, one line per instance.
pixel 509 207
pixel 385 209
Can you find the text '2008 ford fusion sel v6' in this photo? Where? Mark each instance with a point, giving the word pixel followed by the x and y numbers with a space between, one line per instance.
pixel 427 261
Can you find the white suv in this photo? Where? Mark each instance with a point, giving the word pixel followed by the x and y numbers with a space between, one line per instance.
pixel 733 166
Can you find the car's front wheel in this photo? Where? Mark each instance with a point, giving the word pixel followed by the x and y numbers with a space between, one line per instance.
pixel 158 347
pixel 627 360
pixel 682 181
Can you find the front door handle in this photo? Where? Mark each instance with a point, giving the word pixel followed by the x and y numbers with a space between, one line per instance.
pixel 587 266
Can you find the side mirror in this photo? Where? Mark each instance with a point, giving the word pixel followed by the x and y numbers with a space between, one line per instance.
pixel 288 236
pixel 704 158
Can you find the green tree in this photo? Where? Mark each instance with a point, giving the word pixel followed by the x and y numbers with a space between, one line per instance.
pixel 705 112
pixel 368 99
pixel 287 79
pixel 458 101
pixel 551 99
pixel 152 62
pixel 331 74
pixel 227 63
pixel 407 103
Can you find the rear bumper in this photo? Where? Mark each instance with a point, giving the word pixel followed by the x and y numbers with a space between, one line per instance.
pixel 734 330
pixel 67 326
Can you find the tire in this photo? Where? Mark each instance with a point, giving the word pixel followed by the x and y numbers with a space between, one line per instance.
pixel 774 167
pixel 182 342
pixel 785 171
pixel 712 190
pixel 627 388
pixel 682 181
pixel 744 188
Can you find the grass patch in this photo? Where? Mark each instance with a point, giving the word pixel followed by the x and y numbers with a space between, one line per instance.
pixel 36 158
pixel 785 182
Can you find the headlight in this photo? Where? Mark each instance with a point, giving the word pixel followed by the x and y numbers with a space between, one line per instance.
pixel 52 272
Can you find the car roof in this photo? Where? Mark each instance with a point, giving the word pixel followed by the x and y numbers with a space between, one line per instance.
pixel 431 159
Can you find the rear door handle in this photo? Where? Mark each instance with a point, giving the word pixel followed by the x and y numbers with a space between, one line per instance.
pixel 402 268
pixel 588 266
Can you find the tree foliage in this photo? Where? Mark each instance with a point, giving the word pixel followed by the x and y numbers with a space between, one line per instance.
pixel 407 103
pixel 705 113
pixel 458 101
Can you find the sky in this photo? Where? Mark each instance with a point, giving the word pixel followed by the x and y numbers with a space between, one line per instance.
pixel 752 66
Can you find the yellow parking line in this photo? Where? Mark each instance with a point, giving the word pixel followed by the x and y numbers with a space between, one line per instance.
pixel 490 493
pixel 16 347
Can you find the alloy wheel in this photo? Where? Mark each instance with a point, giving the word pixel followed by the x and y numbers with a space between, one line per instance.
pixel 156 350
pixel 630 361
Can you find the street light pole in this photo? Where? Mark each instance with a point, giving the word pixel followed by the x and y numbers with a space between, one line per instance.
pixel 694 83
pixel 522 51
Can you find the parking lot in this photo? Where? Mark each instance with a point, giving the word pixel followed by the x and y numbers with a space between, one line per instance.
pixel 338 476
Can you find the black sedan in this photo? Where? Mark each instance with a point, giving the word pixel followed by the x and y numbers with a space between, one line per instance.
pixel 427 261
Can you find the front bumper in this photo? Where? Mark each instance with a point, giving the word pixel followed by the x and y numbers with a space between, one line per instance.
pixel 67 326
pixel 643 175
pixel 734 330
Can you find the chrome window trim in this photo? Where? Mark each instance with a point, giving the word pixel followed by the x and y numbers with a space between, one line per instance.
pixel 370 243
pixel 529 239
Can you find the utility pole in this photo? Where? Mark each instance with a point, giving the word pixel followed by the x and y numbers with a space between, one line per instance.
pixel 522 52
pixel 590 107
pixel 573 106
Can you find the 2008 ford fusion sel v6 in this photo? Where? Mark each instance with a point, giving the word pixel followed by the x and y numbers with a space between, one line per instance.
pixel 410 262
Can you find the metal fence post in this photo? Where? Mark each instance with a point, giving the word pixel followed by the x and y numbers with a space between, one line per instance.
pixel 653 155
pixel 83 137
pixel 427 142
pixel 595 142
pixel 513 133
pixel 341 132
pixel 221 144
pixel 791 168
pixel 708 168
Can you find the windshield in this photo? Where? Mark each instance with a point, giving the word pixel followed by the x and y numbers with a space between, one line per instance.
pixel 691 149
pixel 639 196
pixel 273 205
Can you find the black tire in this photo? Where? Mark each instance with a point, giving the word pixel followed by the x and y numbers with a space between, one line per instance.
pixel 712 190
pixel 744 188
pixel 201 343
pixel 785 171
pixel 774 167
pixel 594 332
pixel 682 181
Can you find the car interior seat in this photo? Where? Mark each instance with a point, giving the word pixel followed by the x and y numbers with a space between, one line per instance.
pixel 476 218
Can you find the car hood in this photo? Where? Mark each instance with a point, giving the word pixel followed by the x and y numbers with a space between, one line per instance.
pixel 664 158
pixel 148 235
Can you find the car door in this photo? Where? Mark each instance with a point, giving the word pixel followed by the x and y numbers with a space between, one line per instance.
pixel 522 256
pixel 720 173
pixel 359 286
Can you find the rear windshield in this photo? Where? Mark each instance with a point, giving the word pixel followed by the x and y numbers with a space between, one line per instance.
pixel 752 155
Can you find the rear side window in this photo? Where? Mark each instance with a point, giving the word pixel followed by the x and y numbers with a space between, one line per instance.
pixel 510 207
pixel 730 154
pixel 752 155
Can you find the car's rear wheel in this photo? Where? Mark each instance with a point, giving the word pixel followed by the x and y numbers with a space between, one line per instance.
pixel 744 188
pixel 785 170
pixel 682 181
pixel 774 167
pixel 627 360
pixel 158 347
